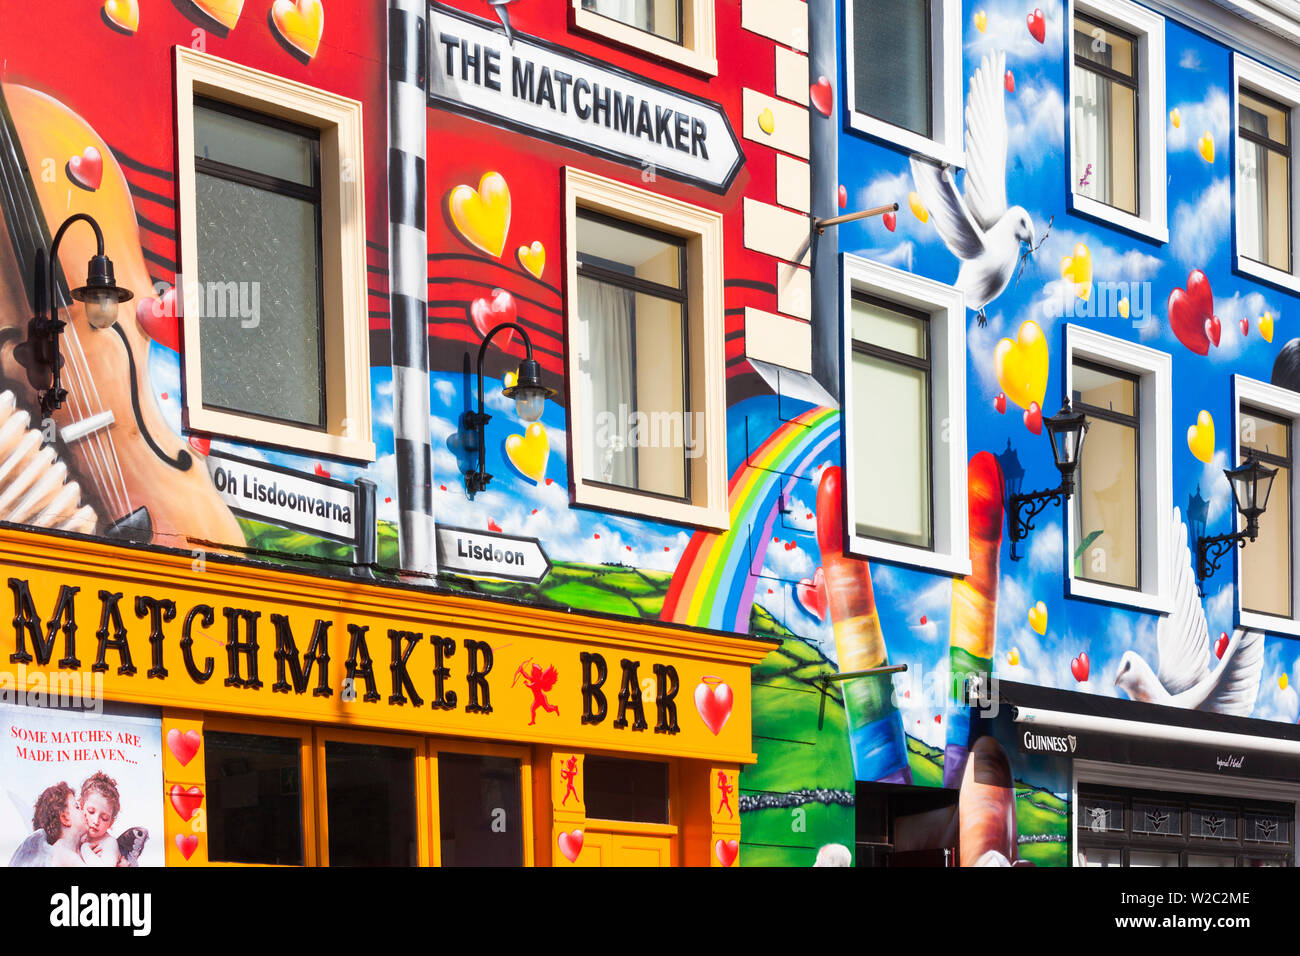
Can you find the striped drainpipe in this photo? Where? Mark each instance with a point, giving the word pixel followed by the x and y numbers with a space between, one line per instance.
pixel 408 280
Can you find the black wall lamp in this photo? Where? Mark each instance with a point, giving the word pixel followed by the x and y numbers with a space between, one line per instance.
pixel 1066 431
pixel 101 295
pixel 1251 483
pixel 530 397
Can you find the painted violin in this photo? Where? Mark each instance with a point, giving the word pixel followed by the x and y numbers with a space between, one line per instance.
pixel 140 481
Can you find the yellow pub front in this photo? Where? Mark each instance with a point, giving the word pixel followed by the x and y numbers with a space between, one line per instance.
pixel 310 720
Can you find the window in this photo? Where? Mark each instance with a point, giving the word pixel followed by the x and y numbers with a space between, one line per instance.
pixel 891 369
pixel 273 260
pixel 645 356
pixel 369 789
pixel 905 74
pixel 254 798
pixel 905 351
pixel 1266 419
pixel 480 810
pixel 1117 115
pixel 1107 508
pixel 677 30
pixel 1265 104
pixel 631 790
pixel 1123 502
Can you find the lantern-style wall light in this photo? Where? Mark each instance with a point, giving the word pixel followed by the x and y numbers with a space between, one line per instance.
pixel 1251 482
pixel 530 397
pixel 1065 430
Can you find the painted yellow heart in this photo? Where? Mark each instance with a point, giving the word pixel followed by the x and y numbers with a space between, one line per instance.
pixel 1123 308
pixel 981 21
pixel 124 14
pixel 766 121
pixel 1078 269
pixel 1038 617
pixel 225 12
pixel 1013 656
pixel 1206 146
pixel 301 23
pixel 918 210
pixel 1175 117
pixel 528 452
pixel 1266 326
pixel 1200 437
pixel 482 216
pixel 1283 681
pixel 1021 365
pixel 532 258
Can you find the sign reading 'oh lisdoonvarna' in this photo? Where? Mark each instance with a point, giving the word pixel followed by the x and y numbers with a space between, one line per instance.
pixel 539 88
pixel 266 492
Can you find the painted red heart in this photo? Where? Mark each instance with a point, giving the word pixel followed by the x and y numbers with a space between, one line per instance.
pixel 201 444
pixel 320 470
pixel 1221 645
pixel 183 745
pixel 924 619
pixel 1191 314
pixel 813 596
pixel 1009 81
pixel 186 802
pixel 1245 327
pixel 821 96
pixel 487 314
pixel 1213 329
pixel 843 197
pixel 1000 403
pixel 1079 667
pixel 890 219
pixel 157 316
pixel 187 843
pixel 571 844
pixel 87 170
pixel 1034 418
pixel 1037 25
pixel 596 535
pixel 713 700
pixel 493 526
pixel 938 718
pixel 726 851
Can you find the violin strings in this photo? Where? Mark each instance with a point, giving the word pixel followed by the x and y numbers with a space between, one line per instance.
pixel 105 434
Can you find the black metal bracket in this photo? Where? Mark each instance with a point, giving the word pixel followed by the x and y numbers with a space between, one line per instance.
pixel 1022 509
pixel 1210 551
pixel 824 683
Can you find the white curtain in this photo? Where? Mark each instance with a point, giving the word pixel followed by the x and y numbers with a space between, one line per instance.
pixel 607 374
pixel 1252 210
pixel 1092 122
pixel 635 12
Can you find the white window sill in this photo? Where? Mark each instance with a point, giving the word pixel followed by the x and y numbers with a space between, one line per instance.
pixel 660 509
pixel 702 61
pixel 1086 206
pixel 956 564
pixel 1110 594
pixel 906 139
pixel 1267 622
pixel 1266 273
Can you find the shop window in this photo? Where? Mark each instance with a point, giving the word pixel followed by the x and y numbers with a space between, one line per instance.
pixel 1266 208
pixel 635 791
pixel 370 792
pixel 678 30
pixel 905 352
pixel 1266 417
pixel 1117 115
pixel 254 798
pixel 645 357
pixel 480 810
pixel 904 61
pixel 1122 506
pixel 276 342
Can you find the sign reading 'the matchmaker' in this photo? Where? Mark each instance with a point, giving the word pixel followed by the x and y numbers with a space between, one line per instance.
pixel 541 89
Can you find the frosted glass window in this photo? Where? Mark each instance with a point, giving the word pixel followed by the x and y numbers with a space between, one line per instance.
pixel 891 62
pixel 632 359
pixel 660 17
pixel 1266 562
pixel 1264 167
pixel 1107 517
pixel 1104 115
pixel 259 283
pixel 892 470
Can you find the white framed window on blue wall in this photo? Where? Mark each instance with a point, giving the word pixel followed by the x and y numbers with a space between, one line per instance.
pixel 904 73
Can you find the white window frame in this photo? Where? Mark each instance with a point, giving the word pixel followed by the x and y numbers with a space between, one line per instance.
pixel 947 145
pixel 1285 90
pixel 1155 479
pixel 1152 220
pixel 697 51
pixel 946 307
pixel 702 230
pixel 1283 403
pixel 346 379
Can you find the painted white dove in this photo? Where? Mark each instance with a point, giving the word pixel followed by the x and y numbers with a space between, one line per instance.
pixel 1185 678
pixel 978 228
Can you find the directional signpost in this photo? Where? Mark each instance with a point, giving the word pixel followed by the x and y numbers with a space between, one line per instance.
pixel 491 555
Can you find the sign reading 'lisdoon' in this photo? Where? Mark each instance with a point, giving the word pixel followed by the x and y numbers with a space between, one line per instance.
pixel 541 89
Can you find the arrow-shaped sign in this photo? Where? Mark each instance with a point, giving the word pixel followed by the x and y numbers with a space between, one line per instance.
pixel 491 555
